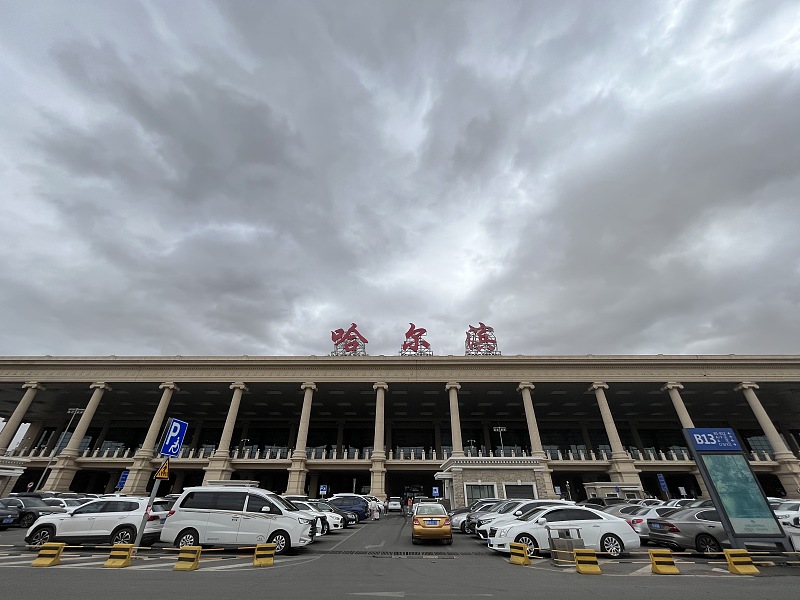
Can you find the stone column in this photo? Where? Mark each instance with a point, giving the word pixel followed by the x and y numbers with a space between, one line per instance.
pixel 621 466
pixel 298 471
pixel 65 467
pixel 455 420
pixel 143 466
pixel 537 451
pixel 378 467
pixel 788 470
pixel 673 387
pixel 219 465
pixel 14 421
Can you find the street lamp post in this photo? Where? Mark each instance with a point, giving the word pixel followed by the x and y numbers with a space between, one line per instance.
pixel 471 446
pixel 500 430
pixel 72 412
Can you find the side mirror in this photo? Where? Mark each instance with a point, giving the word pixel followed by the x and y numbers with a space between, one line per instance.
pixel 541 521
pixel 265 509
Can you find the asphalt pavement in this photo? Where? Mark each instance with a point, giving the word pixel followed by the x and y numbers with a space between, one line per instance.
pixel 376 559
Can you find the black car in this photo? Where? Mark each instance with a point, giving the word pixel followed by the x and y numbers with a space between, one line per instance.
pixel 9 516
pixel 30 509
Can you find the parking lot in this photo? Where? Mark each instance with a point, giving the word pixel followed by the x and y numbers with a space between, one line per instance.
pixel 377 559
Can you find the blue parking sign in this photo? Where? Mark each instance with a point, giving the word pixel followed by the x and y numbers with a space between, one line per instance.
pixel 176 430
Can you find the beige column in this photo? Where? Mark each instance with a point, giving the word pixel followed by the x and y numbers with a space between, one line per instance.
pixel 673 388
pixel 224 448
pixel 143 467
pixel 778 446
pixel 537 451
pixel 378 467
pixel 297 470
pixel 617 451
pixel 452 388
pixel 146 450
pixel 15 420
pixel 71 449
pixel 305 419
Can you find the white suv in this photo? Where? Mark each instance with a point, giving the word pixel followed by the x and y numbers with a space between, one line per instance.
pixel 112 520
pixel 236 516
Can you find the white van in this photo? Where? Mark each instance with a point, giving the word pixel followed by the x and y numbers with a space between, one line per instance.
pixel 236 516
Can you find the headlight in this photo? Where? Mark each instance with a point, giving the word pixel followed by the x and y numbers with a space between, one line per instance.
pixel 502 532
pixel 306 521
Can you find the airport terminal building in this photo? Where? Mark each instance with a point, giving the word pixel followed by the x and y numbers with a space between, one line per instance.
pixel 461 427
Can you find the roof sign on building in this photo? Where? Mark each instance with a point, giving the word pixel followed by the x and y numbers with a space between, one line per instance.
pixel 414 345
pixel 348 343
pixel 480 341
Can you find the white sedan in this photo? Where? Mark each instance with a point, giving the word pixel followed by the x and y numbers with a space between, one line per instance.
pixel 325 520
pixel 600 531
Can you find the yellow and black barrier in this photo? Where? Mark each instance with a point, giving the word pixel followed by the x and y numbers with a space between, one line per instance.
pixel 188 559
pixel 586 561
pixel 663 563
pixel 740 563
pixel 49 555
pixel 120 556
pixel 264 555
pixel 519 554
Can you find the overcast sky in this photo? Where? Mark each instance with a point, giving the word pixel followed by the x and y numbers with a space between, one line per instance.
pixel 186 177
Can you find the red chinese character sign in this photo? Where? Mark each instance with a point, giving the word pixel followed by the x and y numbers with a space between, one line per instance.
pixel 481 341
pixel 348 343
pixel 414 345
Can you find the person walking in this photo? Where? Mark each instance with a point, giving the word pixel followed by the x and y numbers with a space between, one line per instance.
pixel 373 509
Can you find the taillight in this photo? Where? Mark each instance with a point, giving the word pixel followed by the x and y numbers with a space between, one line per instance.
pixel 416 521
pixel 447 521
pixel 636 521
pixel 170 513
pixel 153 518
pixel 672 528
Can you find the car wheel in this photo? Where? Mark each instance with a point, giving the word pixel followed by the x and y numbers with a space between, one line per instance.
pixel 123 535
pixel 463 527
pixel 282 542
pixel 530 542
pixel 611 545
pixel 325 528
pixel 705 544
pixel 414 541
pixel 187 537
pixel 42 535
pixel 26 520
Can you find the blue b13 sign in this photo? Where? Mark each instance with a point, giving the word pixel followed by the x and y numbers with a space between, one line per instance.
pixel 714 439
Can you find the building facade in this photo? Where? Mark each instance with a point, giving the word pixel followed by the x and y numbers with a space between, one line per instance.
pixel 461 427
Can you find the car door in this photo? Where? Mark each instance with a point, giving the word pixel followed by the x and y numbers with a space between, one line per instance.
pixel 78 523
pixel 224 520
pixel 113 514
pixel 590 524
pixel 255 524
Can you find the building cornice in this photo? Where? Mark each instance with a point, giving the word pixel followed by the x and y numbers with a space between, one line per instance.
pixel 251 369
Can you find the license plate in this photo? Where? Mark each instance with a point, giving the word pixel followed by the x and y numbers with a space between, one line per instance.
pixel 655 526
pixel 9 520
pixel 432 522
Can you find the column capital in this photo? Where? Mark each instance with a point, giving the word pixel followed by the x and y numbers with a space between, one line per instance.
pixel 671 385
pixel 380 385
pixel 33 385
pixel 598 385
pixel 169 385
pixel 100 385
pixel 746 385
pixel 238 385
pixel 452 384
pixel 525 385
pixel 309 385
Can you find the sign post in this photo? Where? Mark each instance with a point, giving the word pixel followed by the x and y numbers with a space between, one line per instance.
pixel 500 430
pixel 171 447
pixel 733 487
pixel 323 490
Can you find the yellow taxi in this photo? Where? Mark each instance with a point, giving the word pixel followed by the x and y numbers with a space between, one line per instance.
pixel 431 522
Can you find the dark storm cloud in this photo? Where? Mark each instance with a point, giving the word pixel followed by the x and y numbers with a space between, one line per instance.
pixel 584 177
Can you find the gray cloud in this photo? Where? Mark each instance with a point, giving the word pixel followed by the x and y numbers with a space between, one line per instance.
pixel 586 179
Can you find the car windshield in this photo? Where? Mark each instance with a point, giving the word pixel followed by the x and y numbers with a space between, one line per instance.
pixel 30 502
pixel 788 506
pixel 509 507
pixel 431 509
pixel 533 514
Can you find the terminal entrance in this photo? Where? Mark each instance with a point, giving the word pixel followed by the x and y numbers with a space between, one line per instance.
pixel 413 483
